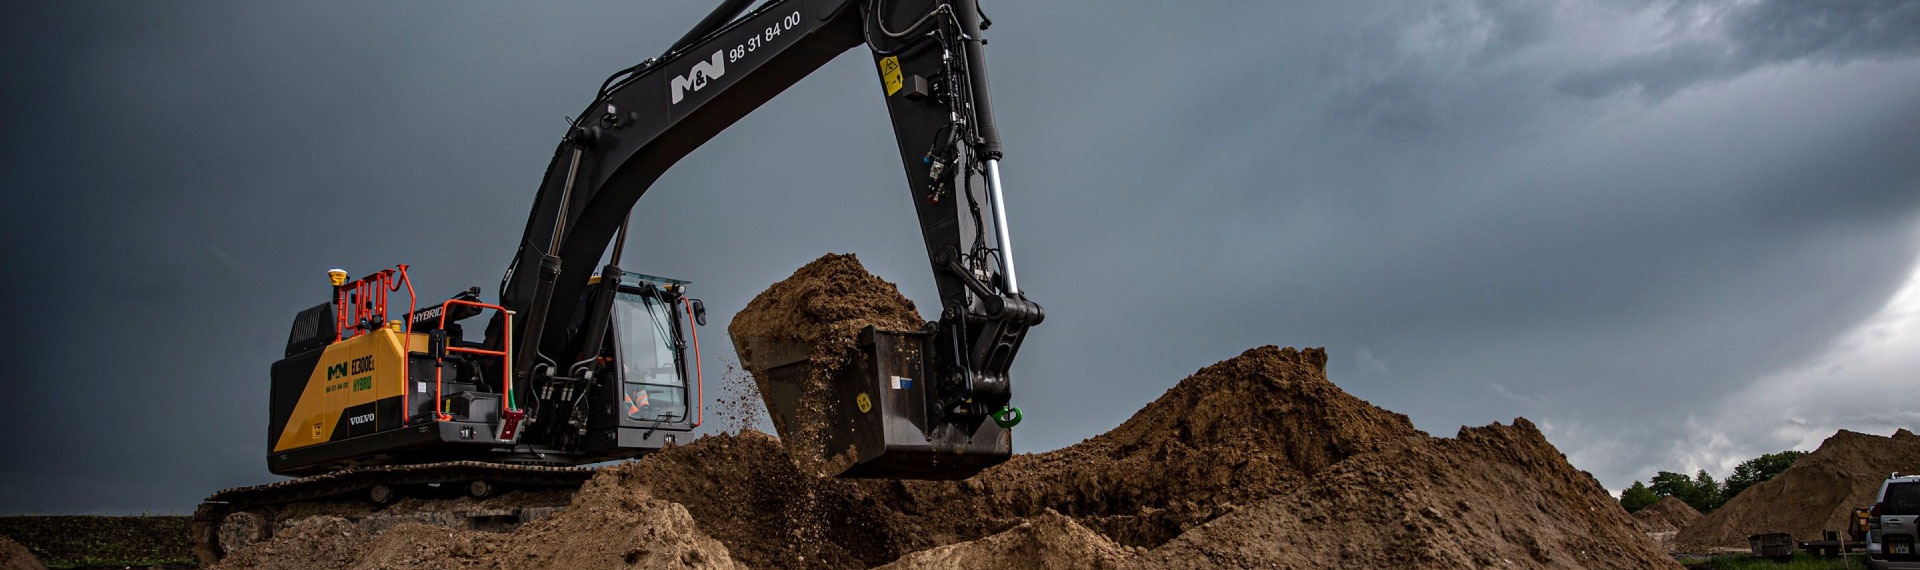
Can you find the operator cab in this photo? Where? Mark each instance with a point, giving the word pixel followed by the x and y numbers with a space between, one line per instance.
pixel 649 342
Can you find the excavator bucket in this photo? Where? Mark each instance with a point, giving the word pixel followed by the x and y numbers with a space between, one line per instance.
pixel 872 416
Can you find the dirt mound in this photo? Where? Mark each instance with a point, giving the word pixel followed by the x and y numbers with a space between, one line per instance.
pixel 607 526
pixel 1047 541
pixel 1492 497
pixel 614 525
pixel 1663 520
pixel 1240 429
pixel 13 556
pixel 1819 492
pixel 1670 514
pixel 1254 461
pixel 1246 427
pixel 746 493
pixel 316 542
pixel 824 304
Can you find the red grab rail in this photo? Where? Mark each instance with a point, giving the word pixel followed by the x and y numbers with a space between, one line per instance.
pixel 506 362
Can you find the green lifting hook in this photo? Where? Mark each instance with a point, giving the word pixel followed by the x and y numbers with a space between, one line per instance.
pixel 1007 417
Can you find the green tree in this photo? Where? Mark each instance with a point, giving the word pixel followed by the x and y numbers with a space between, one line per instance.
pixel 1638 497
pixel 1758 469
pixel 1670 484
pixel 1700 491
pixel 1711 494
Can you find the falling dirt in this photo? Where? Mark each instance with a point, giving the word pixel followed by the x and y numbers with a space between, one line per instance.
pixel 13 556
pixel 824 306
pixel 1254 461
pixel 1818 493
pixel 736 401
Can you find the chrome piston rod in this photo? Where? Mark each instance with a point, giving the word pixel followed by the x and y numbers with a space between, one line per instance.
pixel 1000 225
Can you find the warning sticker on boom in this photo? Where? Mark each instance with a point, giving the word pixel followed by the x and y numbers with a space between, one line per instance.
pixel 890 74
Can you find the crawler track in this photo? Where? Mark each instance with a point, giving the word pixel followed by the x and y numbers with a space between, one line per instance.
pixel 248 511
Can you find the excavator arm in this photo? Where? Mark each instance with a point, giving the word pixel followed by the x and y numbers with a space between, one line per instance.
pixel 928 56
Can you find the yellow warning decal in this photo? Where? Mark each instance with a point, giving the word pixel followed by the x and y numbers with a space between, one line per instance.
pixel 890 74
pixel 865 403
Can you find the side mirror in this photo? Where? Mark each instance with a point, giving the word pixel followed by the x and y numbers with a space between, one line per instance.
pixel 699 312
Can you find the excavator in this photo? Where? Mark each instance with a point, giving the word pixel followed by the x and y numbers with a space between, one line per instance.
pixel 578 362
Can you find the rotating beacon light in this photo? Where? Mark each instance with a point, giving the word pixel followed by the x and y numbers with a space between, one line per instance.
pixel 338 276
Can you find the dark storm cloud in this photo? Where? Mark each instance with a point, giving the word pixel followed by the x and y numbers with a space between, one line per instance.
pixel 1409 185
pixel 1756 34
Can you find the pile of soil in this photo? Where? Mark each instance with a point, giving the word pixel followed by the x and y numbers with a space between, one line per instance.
pixel 1050 540
pixel 1669 515
pixel 1246 427
pixel 1255 461
pixel 1492 497
pixel 746 492
pixel 824 304
pixel 1818 493
pixel 1663 520
pixel 16 557
pixel 607 526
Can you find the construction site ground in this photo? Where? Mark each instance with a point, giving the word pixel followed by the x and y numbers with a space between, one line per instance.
pixel 1255 461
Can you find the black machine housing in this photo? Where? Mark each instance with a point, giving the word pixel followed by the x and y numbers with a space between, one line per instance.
pixel 590 421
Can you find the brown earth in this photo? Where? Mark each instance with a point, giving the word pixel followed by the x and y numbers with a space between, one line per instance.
pixel 1050 540
pixel 1669 514
pixel 1663 520
pixel 1255 461
pixel 1246 427
pixel 1491 497
pixel 824 304
pixel 608 525
pixel 16 557
pixel 1818 493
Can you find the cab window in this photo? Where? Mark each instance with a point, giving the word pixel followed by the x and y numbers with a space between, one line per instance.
pixel 652 387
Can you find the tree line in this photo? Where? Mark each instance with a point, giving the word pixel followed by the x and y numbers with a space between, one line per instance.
pixel 1702 491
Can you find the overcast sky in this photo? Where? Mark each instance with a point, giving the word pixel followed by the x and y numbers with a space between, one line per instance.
pixel 1675 234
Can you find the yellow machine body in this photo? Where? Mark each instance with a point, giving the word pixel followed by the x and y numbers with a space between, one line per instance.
pixel 355 388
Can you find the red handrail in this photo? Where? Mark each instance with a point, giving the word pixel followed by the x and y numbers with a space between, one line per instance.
pixel 506 362
pixel 699 380
pixel 406 351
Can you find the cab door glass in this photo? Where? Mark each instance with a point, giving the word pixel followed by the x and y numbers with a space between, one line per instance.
pixel 652 387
